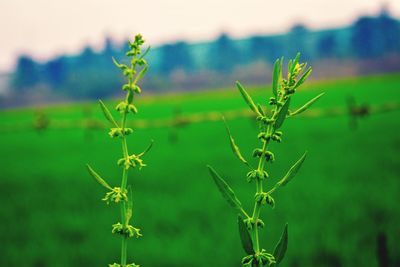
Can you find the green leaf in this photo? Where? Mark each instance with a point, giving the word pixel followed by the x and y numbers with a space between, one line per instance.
pixel 234 147
pixel 247 98
pixel 129 208
pixel 147 149
pixel 247 243
pixel 261 110
pixel 306 105
pixel 303 78
pixel 282 115
pixel 226 191
pixel 141 74
pixel 289 65
pixel 276 77
pixel 107 113
pixel 121 66
pixel 98 178
pixel 294 63
pixel 281 247
pixel 292 171
pixel 145 52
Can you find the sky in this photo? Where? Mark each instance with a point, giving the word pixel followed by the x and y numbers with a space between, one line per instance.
pixel 46 28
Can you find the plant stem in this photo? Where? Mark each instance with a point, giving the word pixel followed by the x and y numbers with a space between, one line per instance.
pixel 259 183
pixel 124 248
pixel 257 205
pixel 124 244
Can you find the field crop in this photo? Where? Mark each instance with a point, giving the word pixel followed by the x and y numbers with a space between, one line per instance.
pixel 346 195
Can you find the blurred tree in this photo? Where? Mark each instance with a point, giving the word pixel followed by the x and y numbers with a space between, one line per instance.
pixel 264 48
pixel 87 59
pixel 56 72
pixel 326 46
pixel 109 49
pixel 26 74
pixel 298 41
pixel 365 38
pixel 223 55
pixel 176 56
pixel 389 31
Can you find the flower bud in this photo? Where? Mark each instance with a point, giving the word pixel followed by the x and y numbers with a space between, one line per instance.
pixel 257 152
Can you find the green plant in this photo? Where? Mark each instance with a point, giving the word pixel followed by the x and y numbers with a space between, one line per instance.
pixel 122 195
pixel 270 124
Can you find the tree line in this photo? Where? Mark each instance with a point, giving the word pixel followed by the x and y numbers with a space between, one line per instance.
pixel 91 74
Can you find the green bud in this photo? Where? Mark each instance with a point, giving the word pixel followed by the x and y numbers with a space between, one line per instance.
pixel 257 153
pixel 126 87
pixel 131 231
pixel 136 89
pixel 117 228
pixel 130 53
pixel 118 132
pixel 121 107
pixel 256 174
pixel 115 132
pixel 272 101
pixel 128 72
pixel 248 261
pixel 269 156
pixel 128 131
pixel 264 198
pixel 264 136
pixel 132 108
pixel 115 195
pixel 276 138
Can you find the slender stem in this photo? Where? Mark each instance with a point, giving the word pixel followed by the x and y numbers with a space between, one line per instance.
pixel 124 251
pixel 124 244
pixel 257 205
pixel 259 184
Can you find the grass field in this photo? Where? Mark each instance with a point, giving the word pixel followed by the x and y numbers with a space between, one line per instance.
pixel 344 196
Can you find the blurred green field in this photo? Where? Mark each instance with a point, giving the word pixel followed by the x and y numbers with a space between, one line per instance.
pixel 344 196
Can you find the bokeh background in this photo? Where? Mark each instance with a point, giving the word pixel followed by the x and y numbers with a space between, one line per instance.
pixel 55 62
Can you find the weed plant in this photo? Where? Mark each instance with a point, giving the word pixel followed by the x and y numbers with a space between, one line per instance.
pixel 122 194
pixel 270 122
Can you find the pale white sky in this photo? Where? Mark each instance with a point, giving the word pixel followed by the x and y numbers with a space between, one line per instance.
pixel 45 28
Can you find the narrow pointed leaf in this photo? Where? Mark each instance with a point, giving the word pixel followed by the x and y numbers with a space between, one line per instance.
pixel 145 52
pixel 147 149
pixel 282 114
pixel 281 247
pixel 260 109
pixel 119 65
pixel 141 74
pixel 129 208
pixel 98 178
pixel 234 147
pixel 107 113
pixel 225 190
pixel 303 78
pixel 276 77
pixel 247 243
pixel 289 65
pixel 306 105
pixel 247 98
pixel 294 63
pixel 292 171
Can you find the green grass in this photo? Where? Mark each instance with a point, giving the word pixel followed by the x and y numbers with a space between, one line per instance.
pixel 342 198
